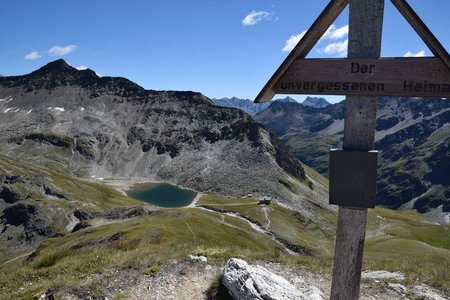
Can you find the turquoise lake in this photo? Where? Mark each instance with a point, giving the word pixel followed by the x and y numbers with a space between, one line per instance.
pixel 162 194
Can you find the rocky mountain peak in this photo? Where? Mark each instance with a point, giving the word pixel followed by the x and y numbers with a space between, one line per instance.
pixel 60 69
pixel 316 102
pixel 287 99
pixel 236 99
pixel 59 65
pixel 59 73
pixel 288 106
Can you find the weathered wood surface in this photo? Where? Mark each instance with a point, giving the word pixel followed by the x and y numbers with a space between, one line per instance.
pixel 414 77
pixel 422 30
pixel 366 22
pixel 309 40
pixel 359 123
pixel 351 230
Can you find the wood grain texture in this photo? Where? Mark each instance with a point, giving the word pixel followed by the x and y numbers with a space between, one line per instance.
pixel 309 40
pixel 422 30
pixel 350 232
pixel 359 124
pixel 414 77
pixel 366 22
pixel 365 28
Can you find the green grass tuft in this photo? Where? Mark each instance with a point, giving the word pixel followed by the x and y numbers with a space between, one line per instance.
pixel 151 270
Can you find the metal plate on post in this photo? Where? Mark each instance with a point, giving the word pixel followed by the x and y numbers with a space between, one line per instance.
pixel 353 178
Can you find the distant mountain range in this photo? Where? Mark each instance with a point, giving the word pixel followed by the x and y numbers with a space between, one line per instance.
pixel 413 135
pixel 253 109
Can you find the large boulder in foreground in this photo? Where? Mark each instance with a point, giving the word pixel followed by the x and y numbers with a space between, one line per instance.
pixel 256 282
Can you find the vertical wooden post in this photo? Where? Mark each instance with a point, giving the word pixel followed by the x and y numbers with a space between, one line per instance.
pixel 365 26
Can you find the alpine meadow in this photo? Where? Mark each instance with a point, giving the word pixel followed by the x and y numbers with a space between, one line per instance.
pixel 227 150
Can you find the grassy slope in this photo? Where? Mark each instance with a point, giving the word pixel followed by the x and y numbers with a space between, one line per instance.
pixel 311 150
pixel 409 243
pixel 83 194
pixel 285 223
pixel 145 242
pixel 89 195
pixel 397 241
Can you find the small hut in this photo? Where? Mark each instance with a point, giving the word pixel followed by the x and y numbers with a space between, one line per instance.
pixel 265 200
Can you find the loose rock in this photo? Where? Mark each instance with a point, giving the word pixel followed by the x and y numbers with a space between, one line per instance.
pixel 256 282
pixel 399 288
pixel 383 275
pixel 426 292
pixel 199 258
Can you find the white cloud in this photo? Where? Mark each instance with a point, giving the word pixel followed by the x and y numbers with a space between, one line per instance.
pixel 292 41
pixel 255 17
pixel 418 54
pixel 337 48
pixel 334 33
pixel 32 55
pixel 60 51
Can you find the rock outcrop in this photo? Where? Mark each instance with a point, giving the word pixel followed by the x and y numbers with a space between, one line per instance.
pixel 25 219
pixel 245 282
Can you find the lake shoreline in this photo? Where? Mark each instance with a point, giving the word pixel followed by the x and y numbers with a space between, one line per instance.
pixel 194 202
pixel 124 185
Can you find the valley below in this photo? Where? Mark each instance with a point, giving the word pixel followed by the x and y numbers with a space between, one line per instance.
pixel 125 248
pixel 73 144
pixel 412 135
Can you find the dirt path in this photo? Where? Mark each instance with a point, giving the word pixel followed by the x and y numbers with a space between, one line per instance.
pixel 189 227
pixel 176 281
pixel 233 204
pixel 17 257
pixel 267 218
pixel 72 222
pixel 190 280
pixel 255 226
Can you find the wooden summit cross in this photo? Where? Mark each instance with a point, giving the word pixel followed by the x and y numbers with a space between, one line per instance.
pixel 361 77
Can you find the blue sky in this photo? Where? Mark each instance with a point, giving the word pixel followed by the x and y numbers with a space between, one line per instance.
pixel 219 48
